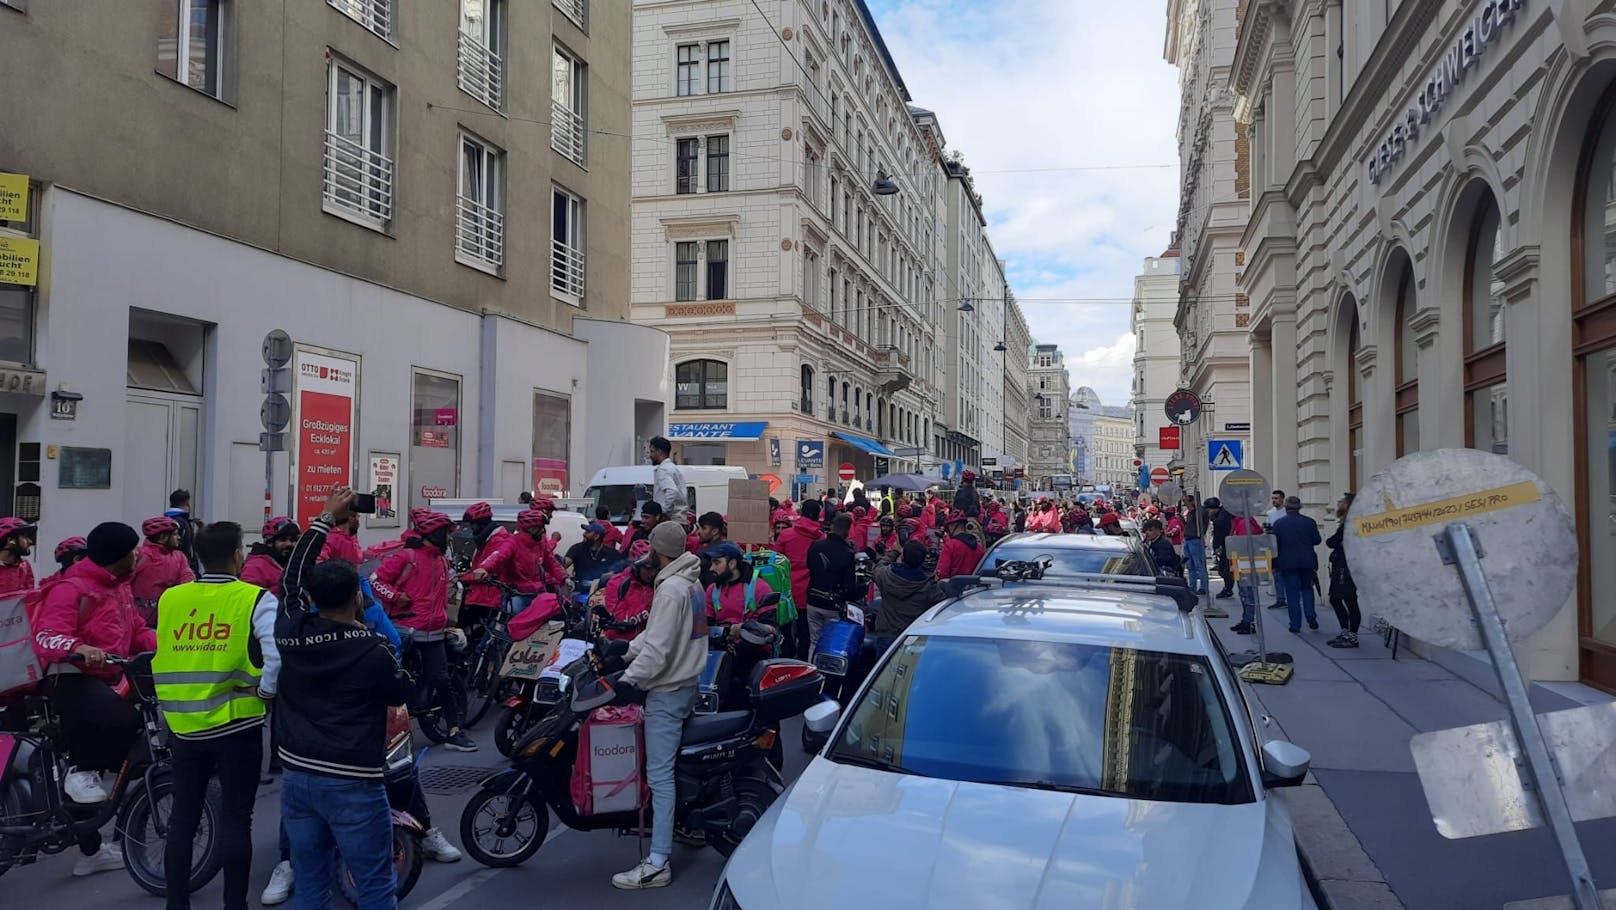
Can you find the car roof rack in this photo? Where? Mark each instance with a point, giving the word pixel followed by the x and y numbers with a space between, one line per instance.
pixel 1180 593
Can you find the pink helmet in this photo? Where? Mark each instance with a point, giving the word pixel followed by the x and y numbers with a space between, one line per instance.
pixel 13 526
pixel 639 549
pixel 157 527
pixel 543 504
pixel 431 522
pixel 479 511
pixel 528 519
pixel 955 516
pixel 71 545
pixel 418 513
pixel 280 525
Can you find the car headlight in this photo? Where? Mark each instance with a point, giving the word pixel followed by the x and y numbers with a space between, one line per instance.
pixel 723 899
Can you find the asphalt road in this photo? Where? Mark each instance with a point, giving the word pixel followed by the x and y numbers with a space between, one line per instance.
pixel 572 869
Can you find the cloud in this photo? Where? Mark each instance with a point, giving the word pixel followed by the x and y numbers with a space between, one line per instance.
pixel 1043 85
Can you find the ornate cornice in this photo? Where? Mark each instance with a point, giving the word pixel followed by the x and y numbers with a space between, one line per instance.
pixel 700 227
pixel 701 122
pixel 1423 324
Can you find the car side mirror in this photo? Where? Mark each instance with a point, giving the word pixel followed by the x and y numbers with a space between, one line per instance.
pixel 1285 764
pixel 822 716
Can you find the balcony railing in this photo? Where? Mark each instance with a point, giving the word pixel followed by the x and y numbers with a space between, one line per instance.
pixel 357 179
pixel 576 10
pixel 567 270
pixel 567 132
pixel 376 15
pixel 481 73
pixel 480 233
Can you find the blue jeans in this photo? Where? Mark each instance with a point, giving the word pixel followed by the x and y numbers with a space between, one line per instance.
pixel 1195 560
pixel 1298 595
pixel 665 714
pixel 326 816
pixel 1248 602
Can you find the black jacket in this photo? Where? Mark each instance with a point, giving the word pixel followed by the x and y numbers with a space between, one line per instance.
pixel 337 681
pixel 1221 523
pixel 1167 560
pixel 831 576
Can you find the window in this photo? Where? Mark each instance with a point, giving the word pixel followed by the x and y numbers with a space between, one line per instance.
pixel 567 112
pixel 480 210
pixel 1486 394
pixel 358 146
pixel 376 15
pixel 19 5
pixel 480 70
pixel 717 164
pixel 434 437
pixel 686 153
pixel 688 69
pixel 684 271
pixel 717 67
pixel 807 389
pixel 1407 377
pixel 701 384
pixel 552 442
pixel 717 269
pixel 567 247
pixel 576 10
pixel 192 44
pixel 810 279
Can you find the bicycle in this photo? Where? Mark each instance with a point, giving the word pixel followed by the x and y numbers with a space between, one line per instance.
pixel 36 817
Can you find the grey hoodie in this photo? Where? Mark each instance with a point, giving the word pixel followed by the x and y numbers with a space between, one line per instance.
pixel 672 650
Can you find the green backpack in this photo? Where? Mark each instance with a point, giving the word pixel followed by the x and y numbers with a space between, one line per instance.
pixel 775 570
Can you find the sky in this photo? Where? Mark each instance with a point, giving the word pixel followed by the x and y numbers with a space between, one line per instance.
pixel 1038 84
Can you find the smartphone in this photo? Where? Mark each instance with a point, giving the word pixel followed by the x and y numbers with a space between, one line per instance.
pixel 363 503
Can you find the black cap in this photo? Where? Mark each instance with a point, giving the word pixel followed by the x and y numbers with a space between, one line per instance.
pixel 109 542
pixel 1212 503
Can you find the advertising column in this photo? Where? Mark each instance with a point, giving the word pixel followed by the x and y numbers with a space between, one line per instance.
pixel 325 410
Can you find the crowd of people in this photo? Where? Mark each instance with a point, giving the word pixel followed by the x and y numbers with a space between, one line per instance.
pixel 284 633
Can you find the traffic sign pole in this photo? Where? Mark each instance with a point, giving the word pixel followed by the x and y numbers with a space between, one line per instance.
pixel 276 411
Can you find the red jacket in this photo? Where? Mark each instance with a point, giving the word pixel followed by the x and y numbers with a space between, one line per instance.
pixel 793 544
pixel 960 556
pixel 997 522
pixel 628 601
pixel 482 594
pixel 519 561
pixel 158 570
pixel 262 570
pixel 339 544
pixel 731 601
pixel 614 536
pixel 87 606
pixel 423 574
pixel 18 576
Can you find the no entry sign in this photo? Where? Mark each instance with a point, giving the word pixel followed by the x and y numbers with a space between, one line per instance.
pixel 845 472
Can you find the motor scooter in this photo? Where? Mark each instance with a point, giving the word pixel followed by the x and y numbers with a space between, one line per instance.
pixel 403 795
pixel 838 650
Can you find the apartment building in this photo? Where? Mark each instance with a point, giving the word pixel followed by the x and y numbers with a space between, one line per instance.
pixel 429 197
pixel 1048 432
pixel 1430 242
pixel 1155 357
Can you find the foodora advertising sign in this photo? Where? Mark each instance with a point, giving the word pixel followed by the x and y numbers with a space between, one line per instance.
pixel 326 411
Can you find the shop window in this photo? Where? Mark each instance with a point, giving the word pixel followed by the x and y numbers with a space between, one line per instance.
pixel 552 442
pixel 701 384
pixel 152 367
pixel 434 468
pixel 1486 392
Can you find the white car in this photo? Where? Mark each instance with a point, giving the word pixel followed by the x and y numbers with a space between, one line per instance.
pixel 1049 745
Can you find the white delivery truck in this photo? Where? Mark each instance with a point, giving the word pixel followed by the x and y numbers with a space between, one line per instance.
pixel 623 489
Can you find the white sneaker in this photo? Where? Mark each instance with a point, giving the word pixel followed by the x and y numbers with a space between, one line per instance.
pixel 437 847
pixel 280 885
pixel 106 859
pixel 84 787
pixel 643 876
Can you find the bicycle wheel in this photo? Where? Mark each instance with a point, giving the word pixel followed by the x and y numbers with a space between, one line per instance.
pixel 482 686
pixel 12 846
pixel 143 847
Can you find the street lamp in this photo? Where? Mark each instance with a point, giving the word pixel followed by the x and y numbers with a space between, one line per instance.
pixel 966 306
pixel 883 185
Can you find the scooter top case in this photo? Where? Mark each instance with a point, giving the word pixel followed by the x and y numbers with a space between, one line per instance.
pixel 839 642
pixel 781 687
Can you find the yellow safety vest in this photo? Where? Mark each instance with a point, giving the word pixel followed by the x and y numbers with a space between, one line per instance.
pixel 204 677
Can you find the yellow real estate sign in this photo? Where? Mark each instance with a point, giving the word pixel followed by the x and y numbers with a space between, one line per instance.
pixel 13 197
pixel 19 260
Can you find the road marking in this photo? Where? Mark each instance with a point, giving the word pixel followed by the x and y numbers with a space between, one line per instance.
pixel 477 879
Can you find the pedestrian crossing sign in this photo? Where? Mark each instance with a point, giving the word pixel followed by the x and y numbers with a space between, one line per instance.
pixel 1225 454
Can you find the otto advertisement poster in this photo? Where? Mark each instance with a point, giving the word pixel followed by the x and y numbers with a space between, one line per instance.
pixel 323 419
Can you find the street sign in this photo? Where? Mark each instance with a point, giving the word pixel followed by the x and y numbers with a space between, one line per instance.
pixel 277 349
pixel 1170 493
pixel 846 472
pixel 271 442
pixel 1183 407
pixel 1523 530
pixel 275 413
pixel 1245 494
pixel 1241 427
pixel 810 453
pixel 1159 475
pixel 275 381
pixel 1168 438
pixel 1225 454
pixel 774 451
pixel 989 462
pixel 1021 472
pixel 910 452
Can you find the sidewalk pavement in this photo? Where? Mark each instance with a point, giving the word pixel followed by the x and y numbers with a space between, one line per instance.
pixel 1362 820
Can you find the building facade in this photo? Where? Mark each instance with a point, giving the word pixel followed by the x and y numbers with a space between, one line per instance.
pixel 1050 385
pixel 1017 391
pixel 1431 240
pixel 1155 357
pixel 1213 316
pixel 453 282
pixel 1102 442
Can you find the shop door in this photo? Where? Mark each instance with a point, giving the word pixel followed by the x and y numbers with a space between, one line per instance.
pixel 1598 516
pixel 162 436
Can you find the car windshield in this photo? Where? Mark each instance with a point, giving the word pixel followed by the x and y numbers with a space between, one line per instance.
pixel 1049 715
pixel 621 500
pixel 1068 560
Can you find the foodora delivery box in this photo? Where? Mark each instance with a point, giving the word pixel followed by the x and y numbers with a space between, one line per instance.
pixel 608 775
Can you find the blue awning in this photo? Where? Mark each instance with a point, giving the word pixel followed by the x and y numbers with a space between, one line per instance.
pixel 718 431
pixel 866 444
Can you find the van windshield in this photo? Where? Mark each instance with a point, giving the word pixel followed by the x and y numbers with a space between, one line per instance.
pixel 621 500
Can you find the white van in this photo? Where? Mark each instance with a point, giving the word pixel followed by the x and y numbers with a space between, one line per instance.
pixel 623 489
